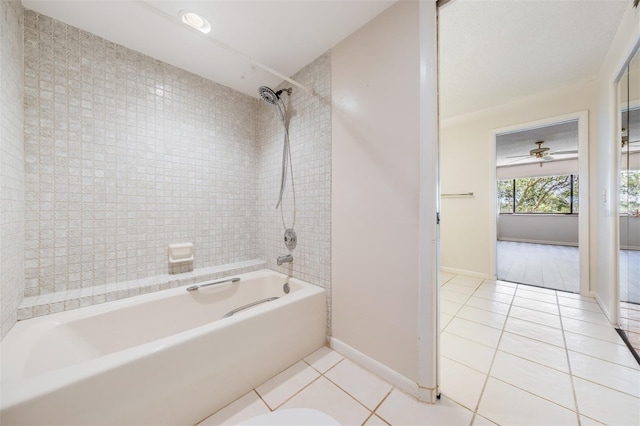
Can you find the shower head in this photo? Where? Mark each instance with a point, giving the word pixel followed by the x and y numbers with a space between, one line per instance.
pixel 269 96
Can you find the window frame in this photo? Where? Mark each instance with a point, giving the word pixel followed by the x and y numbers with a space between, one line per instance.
pixel 572 196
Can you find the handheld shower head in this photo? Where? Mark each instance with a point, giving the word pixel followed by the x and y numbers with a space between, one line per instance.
pixel 269 96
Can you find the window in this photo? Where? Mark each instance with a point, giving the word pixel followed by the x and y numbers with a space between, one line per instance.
pixel 630 192
pixel 546 194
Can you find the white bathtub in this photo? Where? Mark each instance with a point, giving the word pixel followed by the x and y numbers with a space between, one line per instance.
pixel 162 358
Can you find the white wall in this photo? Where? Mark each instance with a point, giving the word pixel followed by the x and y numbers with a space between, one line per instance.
pixel 467 147
pixel 539 228
pixel 630 232
pixel 375 187
pixel 604 189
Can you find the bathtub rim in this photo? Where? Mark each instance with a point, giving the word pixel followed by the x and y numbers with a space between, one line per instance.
pixel 20 389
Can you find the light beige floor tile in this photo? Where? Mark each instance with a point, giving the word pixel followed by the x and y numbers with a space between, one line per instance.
pixel 478 420
pixel 445 276
pixel 467 352
pixel 550 320
pixel 323 359
pixel 460 383
pixel 506 283
pixel 445 319
pixel 577 296
pixel 488 336
pixel 615 376
pixel 535 331
pixel 495 296
pixel 536 295
pixel 498 288
pixel 450 308
pixel 488 305
pixel 597 331
pixel 543 353
pixel 402 409
pixel 586 305
pixel 466 281
pixel 375 421
pixel 542 381
pixel 243 408
pixel 534 289
pixel 325 396
pixel 536 305
pixel 286 384
pixel 582 315
pixel 586 421
pixel 606 405
pixel 362 385
pixel 458 288
pixel 453 296
pixel 612 352
pixel 507 405
pixel 483 317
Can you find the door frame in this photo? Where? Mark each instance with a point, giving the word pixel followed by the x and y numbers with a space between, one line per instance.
pixel 616 149
pixel 583 171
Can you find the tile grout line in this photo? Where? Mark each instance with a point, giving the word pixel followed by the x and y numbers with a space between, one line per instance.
pixel 374 412
pixel 566 350
pixel 488 375
pixel 525 390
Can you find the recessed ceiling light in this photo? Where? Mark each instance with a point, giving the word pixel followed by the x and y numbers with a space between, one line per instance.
pixel 194 20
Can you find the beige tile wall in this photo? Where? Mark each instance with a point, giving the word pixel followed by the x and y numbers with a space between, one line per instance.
pixel 12 180
pixel 124 156
pixel 310 140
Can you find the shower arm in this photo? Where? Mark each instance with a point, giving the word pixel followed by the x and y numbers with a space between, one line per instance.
pixel 284 77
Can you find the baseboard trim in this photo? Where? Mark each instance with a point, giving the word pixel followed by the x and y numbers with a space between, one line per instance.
pixel 467 273
pixel 605 309
pixel 552 243
pixel 393 377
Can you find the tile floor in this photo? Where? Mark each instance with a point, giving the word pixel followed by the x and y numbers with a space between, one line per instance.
pixel 543 265
pixel 557 267
pixel 630 323
pixel 510 354
pixel 516 354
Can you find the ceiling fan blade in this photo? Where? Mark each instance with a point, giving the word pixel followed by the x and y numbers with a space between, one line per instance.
pixel 517 159
pixel 519 156
pixel 571 151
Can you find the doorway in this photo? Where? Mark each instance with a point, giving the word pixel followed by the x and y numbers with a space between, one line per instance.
pixel 541 219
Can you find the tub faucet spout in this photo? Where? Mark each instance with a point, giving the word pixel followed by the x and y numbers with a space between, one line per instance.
pixel 285 259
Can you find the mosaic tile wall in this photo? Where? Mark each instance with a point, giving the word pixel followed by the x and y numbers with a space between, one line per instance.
pixel 124 156
pixel 12 208
pixel 310 139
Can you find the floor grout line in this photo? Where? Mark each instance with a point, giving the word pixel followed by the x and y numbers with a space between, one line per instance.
pixel 573 386
pixel 488 374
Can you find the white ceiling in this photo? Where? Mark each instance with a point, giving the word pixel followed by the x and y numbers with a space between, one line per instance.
pixel 496 51
pixel 556 137
pixel 283 35
pixel 491 51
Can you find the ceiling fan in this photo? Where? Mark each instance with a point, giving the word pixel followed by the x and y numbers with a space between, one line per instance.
pixel 625 138
pixel 542 153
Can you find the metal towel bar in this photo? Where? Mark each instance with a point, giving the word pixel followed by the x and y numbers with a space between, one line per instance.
pixel 199 286
pixel 249 305
pixel 465 194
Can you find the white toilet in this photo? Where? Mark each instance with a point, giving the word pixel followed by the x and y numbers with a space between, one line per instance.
pixel 292 417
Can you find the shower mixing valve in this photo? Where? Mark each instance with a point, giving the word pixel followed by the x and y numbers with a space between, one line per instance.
pixel 290 239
